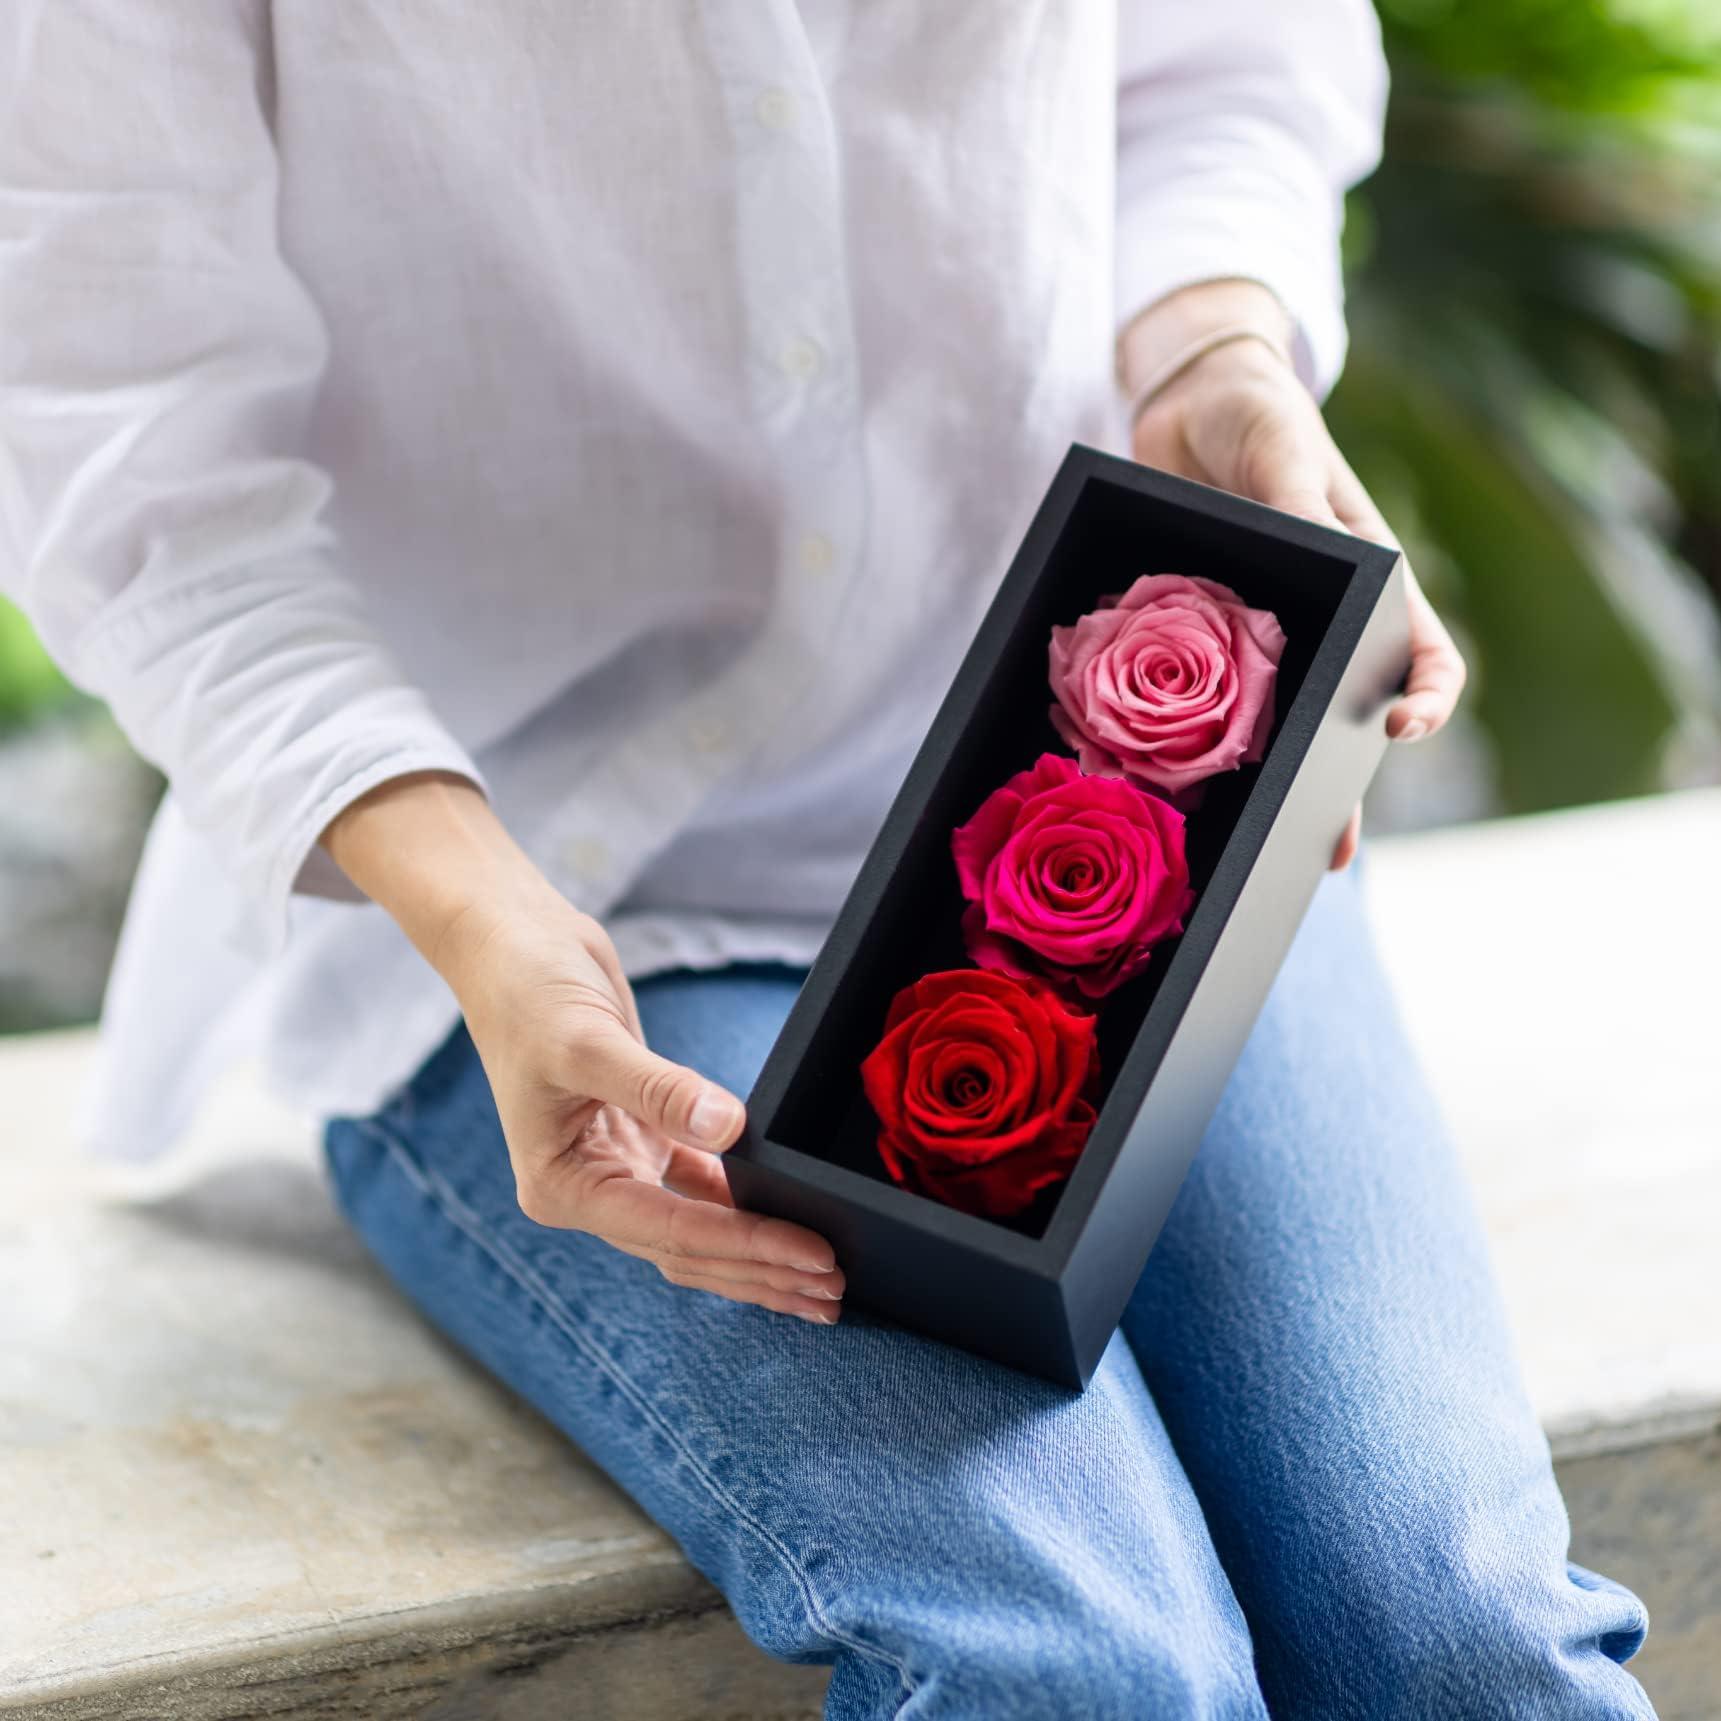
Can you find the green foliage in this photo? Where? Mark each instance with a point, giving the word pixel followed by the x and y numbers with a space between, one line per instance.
pixel 29 683
pixel 1576 54
pixel 1534 389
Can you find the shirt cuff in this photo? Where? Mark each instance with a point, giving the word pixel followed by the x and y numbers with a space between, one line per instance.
pixel 271 707
pixel 303 867
pixel 1208 233
pixel 317 874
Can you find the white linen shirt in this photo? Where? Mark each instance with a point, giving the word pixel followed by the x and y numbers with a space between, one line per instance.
pixel 632 408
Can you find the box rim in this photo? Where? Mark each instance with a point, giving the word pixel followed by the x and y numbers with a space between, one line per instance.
pixel 1048 1255
pixel 1212 913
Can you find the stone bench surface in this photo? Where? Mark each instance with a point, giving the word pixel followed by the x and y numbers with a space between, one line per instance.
pixel 239 1476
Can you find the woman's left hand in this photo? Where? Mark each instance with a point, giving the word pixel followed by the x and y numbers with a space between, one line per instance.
pixel 1240 418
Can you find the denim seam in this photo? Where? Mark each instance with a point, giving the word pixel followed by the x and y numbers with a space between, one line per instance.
pixel 453 1208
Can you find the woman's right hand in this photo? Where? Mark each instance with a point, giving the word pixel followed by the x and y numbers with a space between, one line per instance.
pixel 604 1135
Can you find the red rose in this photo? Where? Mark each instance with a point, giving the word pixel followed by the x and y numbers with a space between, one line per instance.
pixel 984 1086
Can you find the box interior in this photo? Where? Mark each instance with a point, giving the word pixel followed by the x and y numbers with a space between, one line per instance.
pixel 1113 534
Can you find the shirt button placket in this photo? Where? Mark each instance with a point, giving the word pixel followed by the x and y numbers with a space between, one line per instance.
pixel 794 278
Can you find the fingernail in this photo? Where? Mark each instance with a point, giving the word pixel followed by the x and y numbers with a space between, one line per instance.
pixel 1414 730
pixel 814 1266
pixel 713 1116
pixel 821 1317
pixel 817 1291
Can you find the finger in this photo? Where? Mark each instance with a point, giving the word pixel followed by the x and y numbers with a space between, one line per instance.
pixel 699 1175
pixel 1355 507
pixel 636 1215
pixel 825 1287
pixel 1437 673
pixel 1280 463
pixel 614 1067
pixel 1344 851
pixel 813 1309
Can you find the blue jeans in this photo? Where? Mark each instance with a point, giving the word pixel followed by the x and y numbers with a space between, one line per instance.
pixel 1305 1480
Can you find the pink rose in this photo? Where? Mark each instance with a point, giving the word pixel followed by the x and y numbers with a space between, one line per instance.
pixel 1171 683
pixel 1071 877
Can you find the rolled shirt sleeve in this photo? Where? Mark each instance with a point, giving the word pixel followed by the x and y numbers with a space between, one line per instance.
pixel 1241 124
pixel 158 361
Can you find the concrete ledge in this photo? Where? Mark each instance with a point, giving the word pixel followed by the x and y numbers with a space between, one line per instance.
pixel 1557 974
pixel 639 1641
pixel 1650 1515
pixel 275 1493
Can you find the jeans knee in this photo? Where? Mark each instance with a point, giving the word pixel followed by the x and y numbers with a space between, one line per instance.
pixel 1060 1663
pixel 1510 1650
pixel 1113 1693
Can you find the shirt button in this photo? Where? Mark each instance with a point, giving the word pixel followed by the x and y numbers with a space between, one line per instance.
pixel 803 359
pixel 776 109
pixel 708 735
pixel 588 857
pixel 817 553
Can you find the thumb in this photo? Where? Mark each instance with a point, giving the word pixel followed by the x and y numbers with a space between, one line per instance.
pixel 616 1069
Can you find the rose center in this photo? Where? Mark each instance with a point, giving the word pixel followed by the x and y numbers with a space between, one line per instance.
pixel 966 1086
pixel 1072 875
pixel 1166 672
pixel 1078 874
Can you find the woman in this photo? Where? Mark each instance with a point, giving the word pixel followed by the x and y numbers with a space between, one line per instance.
pixel 537 472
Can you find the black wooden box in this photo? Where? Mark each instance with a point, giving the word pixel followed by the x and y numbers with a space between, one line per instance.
pixel 1044 1290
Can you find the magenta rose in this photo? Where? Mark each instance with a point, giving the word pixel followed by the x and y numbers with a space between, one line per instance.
pixel 1070 877
pixel 1170 683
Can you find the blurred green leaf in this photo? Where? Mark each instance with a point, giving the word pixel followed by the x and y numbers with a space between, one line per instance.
pixel 1573 697
pixel 29 682
pixel 1534 386
pixel 1589 55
